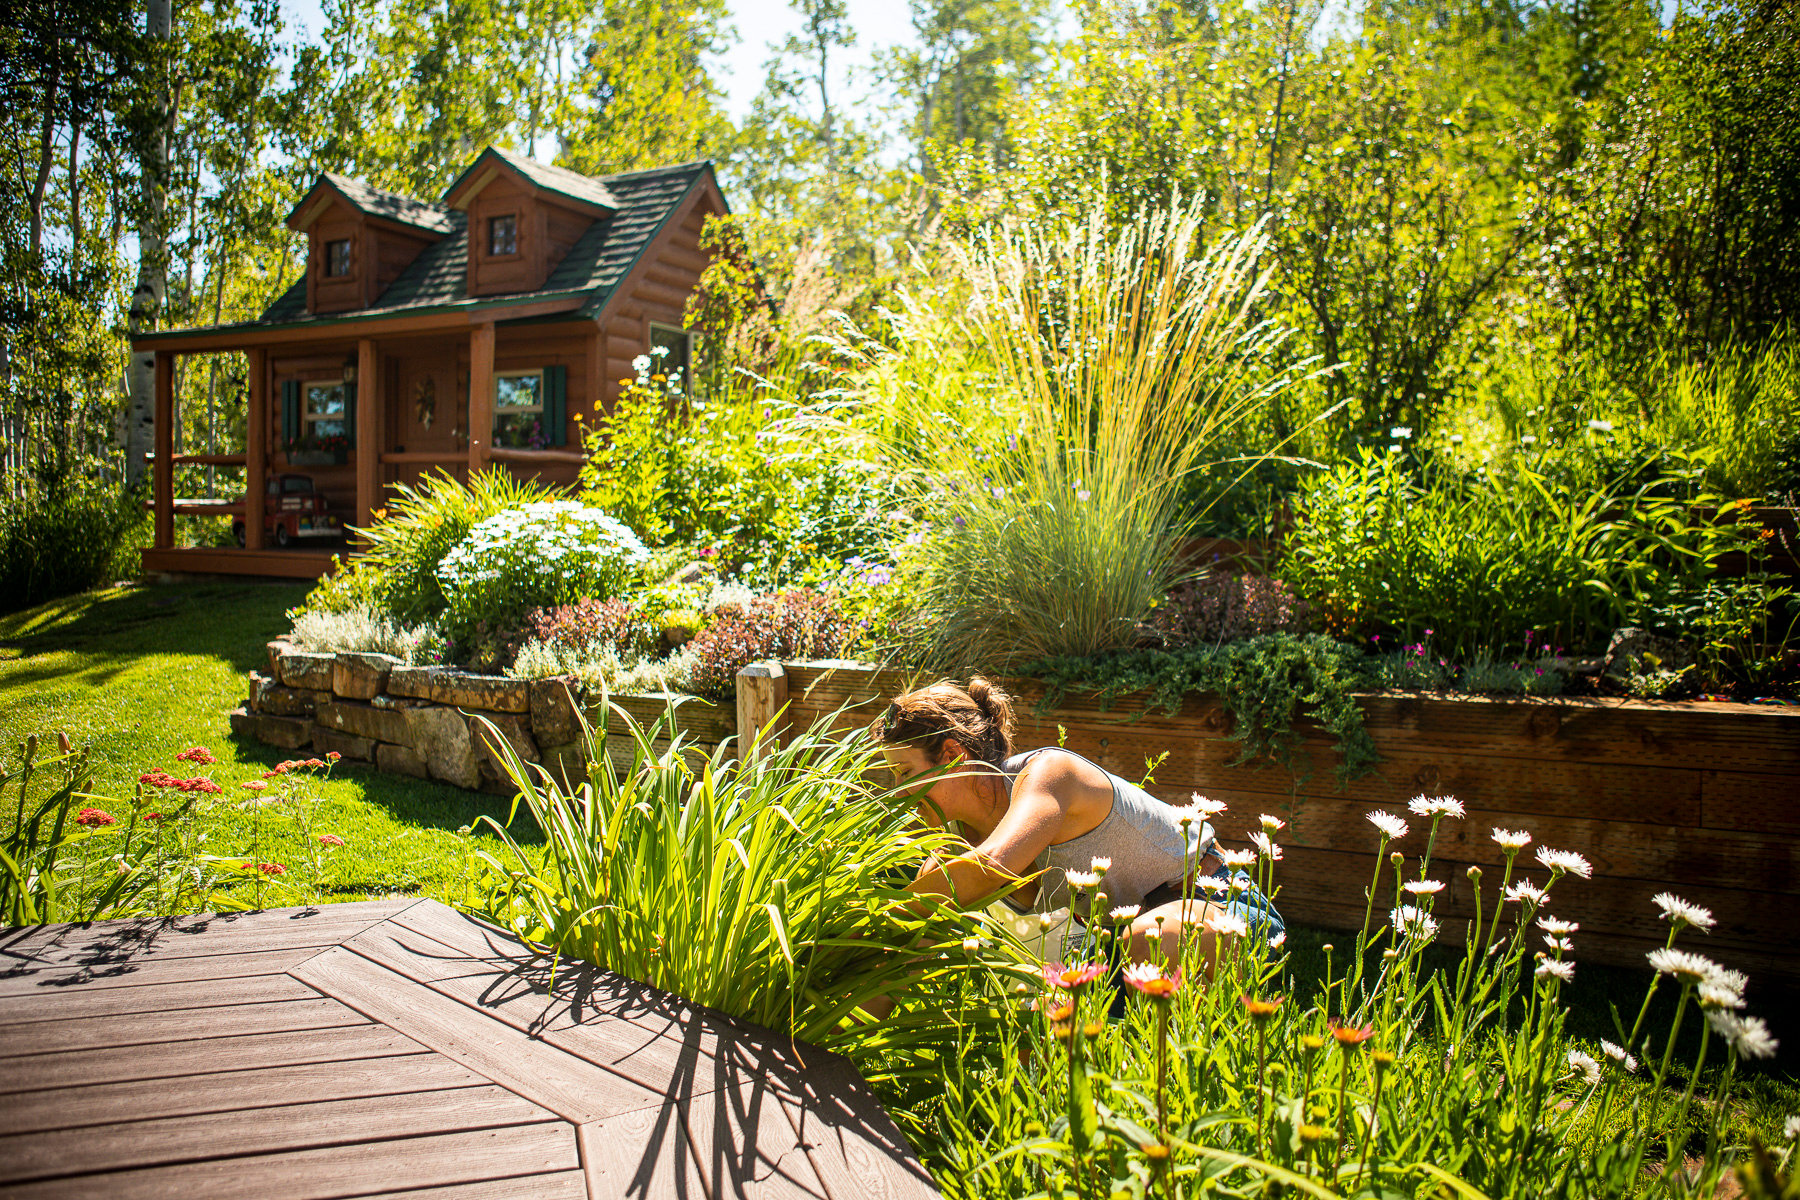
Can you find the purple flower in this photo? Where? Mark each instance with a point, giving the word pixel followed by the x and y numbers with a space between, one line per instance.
pixel 960 522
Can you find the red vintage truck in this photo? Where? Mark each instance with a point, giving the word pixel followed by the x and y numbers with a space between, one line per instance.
pixel 293 509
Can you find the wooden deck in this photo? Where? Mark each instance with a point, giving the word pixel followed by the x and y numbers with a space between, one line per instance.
pixel 295 562
pixel 399 1048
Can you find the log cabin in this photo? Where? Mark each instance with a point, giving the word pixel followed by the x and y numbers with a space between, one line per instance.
pixel 482 328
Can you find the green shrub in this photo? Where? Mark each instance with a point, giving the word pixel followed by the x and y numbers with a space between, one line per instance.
pixel 794 624
pixel 1266 683
pixel 1487 560
pixel 58 541
pixel 411 536
pixel 537 555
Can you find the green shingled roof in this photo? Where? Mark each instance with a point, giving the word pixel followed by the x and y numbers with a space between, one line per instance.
pixel 434 218
pixel 643 202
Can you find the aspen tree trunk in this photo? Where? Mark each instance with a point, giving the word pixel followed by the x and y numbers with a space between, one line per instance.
pixel 153 256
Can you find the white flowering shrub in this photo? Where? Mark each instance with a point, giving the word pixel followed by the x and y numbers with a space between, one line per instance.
pixel 543 554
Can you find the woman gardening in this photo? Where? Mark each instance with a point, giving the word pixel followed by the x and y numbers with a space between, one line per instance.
pixel 1035 819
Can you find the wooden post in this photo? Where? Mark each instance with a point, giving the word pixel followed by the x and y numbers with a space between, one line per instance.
pixel 481 394
pixel 596 382
pixel 369 424
pixel 256 450
pixel 163 475
pixel 762 696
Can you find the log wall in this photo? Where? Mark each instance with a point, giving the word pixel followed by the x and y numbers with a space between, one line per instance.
pixel 1699 799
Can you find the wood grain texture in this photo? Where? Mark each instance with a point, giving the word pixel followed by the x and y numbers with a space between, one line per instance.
pixel 73 1003
pixel 231 1091
pixel 289 1127
pixel 171 1059
pixel 560 1185
pixel 745 1146
pixel 411 1163
pixel 565 1085
pixel 191 936
pixel 68 979
pixel 152 1029
pixel 644 1155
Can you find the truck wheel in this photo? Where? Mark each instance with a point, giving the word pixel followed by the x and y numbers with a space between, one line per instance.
pixel 281 534
pixel 237 534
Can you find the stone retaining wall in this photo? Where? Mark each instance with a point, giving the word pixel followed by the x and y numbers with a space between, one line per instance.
pixel 421 721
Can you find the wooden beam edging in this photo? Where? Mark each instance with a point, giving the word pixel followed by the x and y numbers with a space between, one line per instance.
pixel 1698 798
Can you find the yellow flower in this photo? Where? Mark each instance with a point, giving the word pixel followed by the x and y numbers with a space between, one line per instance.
pixel 578 418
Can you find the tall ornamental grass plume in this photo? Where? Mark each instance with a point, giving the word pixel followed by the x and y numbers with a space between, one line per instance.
pixel 772 889
pixel 1396 1077
pixel 1047 405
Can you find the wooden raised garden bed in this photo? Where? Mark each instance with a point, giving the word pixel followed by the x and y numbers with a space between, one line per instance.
pixel 1699 799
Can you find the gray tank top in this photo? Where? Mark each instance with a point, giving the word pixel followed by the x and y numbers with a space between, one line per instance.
pixel 1141 836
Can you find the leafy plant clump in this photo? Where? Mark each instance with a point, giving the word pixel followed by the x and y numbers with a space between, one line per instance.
pixel 543 554
pixel 1267 684
pixel 772 890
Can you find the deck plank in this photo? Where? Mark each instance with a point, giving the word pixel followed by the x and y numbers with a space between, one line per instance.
pixel 644 1155
pixel 745 1146
pixel 858 1151
pixel 76 1003
pixel 437 1160
pixel 196 936
pixel 171 1060
pixel 559 1081
pixel 143 1143
pixel 65 978
pixel 563 1185
pixel 231 1091
pixel 151 1029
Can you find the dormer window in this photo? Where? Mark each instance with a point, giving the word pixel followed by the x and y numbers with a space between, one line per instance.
pixel 337 258
pixel 503 235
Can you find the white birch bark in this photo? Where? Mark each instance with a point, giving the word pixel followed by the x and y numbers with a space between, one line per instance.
pixel 153 263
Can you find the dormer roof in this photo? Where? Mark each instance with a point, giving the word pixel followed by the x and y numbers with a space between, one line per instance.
pixel 434 219
pixel 644 202
pixel 583 190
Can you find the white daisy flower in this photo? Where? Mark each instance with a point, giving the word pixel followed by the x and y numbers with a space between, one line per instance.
pixel 1101 866
pixel 1512 839
pixel 1565 861
pixel 972 944
pixel 1082 880
pixel 1749 1036
pixel 1715 995
pixel 1559 943
pixel 1227 924
pixel 1679 912
pixel 1524 890
pixel 1557 926
pixel 1414 923
pixel 1278 941
pixel 1208 808
pixel 1424 887
pixel 1272 824
pixel 1618 1055
pixel 1437 806
pixel 1265 847
pixel 1556 968
pixel 1584 1062
pixel 1212 884
pixel 1142 972
pixel 1791 1129
pixel 1391 827
pixel 1696 968
pixel 1236 858
pixel 1125 912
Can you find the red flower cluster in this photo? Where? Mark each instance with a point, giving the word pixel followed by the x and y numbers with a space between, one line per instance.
pixel 298 764
pixel 197 754
pixel 94 818
pixel 162 779
pixel 271 868
pixel 330 839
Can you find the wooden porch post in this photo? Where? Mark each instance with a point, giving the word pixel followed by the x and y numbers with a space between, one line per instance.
pixel 481 394
pixel 163 476
pixel 256 450
pixel 369 424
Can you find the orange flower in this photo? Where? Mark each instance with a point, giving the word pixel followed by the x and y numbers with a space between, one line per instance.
pixel 1149 979
pixel 1350 1035
pixel 1072 979
pixel 1260 1010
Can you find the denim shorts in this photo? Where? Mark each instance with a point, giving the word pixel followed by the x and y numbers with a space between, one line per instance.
pixel 1245 901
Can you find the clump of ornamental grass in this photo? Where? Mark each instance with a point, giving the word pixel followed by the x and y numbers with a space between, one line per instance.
pixel 1045 409
pixel 1399 1078
pixel 771 888
pixel 361 628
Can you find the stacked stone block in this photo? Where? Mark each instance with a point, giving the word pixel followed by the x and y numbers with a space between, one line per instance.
pixel 432 722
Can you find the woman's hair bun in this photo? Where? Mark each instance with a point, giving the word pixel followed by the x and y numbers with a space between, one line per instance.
pixel 982 693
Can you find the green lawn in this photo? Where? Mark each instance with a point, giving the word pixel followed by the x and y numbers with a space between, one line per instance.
pixel 140 673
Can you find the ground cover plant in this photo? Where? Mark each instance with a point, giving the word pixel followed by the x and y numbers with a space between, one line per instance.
pixel 135 677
